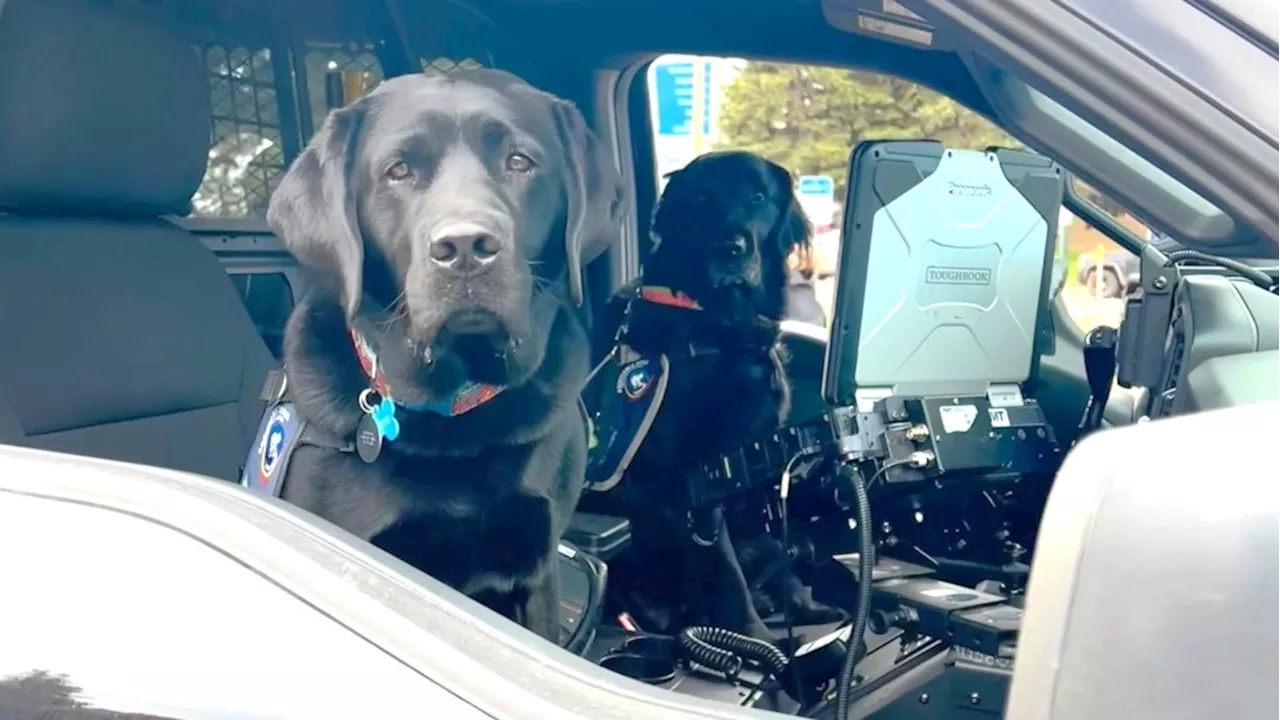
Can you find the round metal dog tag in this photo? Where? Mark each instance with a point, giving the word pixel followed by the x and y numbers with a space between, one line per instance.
pixel 368 439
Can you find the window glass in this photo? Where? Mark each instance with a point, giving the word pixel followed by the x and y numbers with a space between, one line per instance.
pixel 1100 274
pixel 1207 211
pixel 1198 49
pixel 245 157
pixel 806 118
pixel 144 621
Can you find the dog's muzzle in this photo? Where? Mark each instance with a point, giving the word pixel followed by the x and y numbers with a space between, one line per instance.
pixel 465 248
pixel 734 262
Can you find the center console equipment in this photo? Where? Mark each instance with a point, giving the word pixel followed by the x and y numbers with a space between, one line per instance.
pixel 927 390
pixel 937 331
pixel 937 326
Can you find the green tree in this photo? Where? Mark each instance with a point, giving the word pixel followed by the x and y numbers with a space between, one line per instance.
pixel 809 118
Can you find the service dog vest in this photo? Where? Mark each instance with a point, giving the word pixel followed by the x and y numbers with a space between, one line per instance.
pixel 282 430
pixel 624 394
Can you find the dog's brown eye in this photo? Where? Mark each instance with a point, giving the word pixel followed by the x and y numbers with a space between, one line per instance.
pixel 757 199
pixel 519 163
pixel 398 171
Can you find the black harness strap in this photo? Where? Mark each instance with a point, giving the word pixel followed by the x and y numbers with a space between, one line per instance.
pixel 757 464
pixel 281 431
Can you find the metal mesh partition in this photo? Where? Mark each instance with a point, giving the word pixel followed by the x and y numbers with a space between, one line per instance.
pixel 246 157
pixel 358 73
pixel 444 65
pixel 354 62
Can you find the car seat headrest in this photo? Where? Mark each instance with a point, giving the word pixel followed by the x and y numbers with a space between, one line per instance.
pixel 1155 568
pixel 102 113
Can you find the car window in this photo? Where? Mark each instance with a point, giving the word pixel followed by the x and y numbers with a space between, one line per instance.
pixel 145 619
pixel 1100 273
pixel 1238 75
pixel 807 118
pixel 1185 215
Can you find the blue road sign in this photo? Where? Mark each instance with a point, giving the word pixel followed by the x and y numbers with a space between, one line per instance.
pixel 816 185
pixel 673 94
pixel 706 98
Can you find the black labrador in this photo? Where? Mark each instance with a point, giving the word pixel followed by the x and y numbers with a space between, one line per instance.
pixel 446 220
pixel 723 230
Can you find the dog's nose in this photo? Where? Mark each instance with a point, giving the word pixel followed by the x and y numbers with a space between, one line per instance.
pixel 465 251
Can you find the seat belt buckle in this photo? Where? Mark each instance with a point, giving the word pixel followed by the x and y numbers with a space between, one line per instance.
pixel 274 387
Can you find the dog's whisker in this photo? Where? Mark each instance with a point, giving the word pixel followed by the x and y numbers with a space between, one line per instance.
pixel 399 310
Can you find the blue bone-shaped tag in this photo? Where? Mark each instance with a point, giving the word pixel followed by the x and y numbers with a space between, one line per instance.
pixel 384 417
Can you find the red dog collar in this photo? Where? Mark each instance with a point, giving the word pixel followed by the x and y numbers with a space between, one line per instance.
pixel 466 398
pixel 660 295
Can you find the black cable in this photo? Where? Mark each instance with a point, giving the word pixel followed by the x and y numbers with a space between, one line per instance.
pixel 866 564
pixel 784 494
pixel 1252 274
pixel 724 650
pixel 886 468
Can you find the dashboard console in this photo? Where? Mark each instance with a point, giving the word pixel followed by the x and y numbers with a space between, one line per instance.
pixel 1220 346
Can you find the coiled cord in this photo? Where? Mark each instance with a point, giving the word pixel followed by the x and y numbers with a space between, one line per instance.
pixel 866 562
pixel 725 650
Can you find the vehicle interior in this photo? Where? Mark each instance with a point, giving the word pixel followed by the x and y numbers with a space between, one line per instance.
pixel 144 300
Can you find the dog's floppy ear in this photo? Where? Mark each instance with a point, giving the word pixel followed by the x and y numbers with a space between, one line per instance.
pixel 792 231
pixel 313 211
pixel 593 189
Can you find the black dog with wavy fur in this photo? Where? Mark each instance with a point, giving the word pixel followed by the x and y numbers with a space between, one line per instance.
pixel 446 220
pixel 723 228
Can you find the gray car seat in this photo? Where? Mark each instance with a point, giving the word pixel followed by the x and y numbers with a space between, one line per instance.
pixel 1154 589
pixel 120 334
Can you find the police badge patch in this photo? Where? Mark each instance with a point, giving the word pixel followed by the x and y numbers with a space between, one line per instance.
pixel 272 443
pixel 635 379
pixel 278 435
pixel 622 401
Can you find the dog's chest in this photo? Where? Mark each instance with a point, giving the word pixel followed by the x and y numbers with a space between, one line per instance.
pixel 744 382
pixel 723 402
pixel 476 529
pixel 469 524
